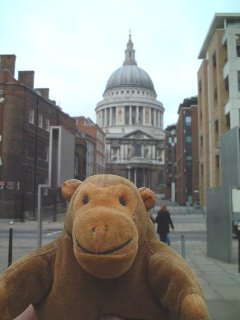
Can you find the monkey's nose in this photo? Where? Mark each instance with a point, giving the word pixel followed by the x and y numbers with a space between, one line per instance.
pixel 99 230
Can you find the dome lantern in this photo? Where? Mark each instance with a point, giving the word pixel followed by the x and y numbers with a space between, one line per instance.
pixel 129 53
pixel 129 75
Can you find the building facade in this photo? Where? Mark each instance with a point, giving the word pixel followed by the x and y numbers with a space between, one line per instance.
pixel 27 118
pixel 132 119
pixel 80 165
pixel 219 96
pixel 187 181
pixel 95 148
pixel 170 144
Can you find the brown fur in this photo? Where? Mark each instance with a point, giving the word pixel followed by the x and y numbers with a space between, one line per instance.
pixel 107 264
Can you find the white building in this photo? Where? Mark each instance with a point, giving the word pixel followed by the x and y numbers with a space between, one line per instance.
pixel 132 119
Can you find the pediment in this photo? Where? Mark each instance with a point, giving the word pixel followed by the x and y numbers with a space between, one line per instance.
pixel 137 134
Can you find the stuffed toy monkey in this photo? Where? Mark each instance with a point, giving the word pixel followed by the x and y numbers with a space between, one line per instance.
pixel 107 263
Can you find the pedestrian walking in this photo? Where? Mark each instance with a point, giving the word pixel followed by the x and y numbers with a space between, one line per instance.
pixel 163 221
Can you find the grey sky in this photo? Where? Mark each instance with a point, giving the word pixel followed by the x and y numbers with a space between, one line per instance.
pixel 74 45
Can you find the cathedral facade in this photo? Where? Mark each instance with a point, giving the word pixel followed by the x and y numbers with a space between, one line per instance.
pixel 132 118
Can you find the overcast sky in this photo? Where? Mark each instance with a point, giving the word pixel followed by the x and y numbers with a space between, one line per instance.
pixel 75 45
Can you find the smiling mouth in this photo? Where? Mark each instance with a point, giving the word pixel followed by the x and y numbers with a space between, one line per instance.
pixel 118 248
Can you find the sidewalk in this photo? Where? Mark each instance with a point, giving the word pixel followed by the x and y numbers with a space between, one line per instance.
pixel 220 281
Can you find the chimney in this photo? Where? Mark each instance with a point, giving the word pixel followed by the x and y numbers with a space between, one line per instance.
pixel 27 78
pixel 7 62
pixel 43 92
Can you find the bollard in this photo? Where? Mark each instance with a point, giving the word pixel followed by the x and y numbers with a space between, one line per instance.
pixel 183 246
pixel 238 236
pixel 10 243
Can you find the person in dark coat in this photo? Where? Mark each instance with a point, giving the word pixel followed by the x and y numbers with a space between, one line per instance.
pixel 163 221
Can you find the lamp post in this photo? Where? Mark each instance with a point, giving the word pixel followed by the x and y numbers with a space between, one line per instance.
pixel 35 162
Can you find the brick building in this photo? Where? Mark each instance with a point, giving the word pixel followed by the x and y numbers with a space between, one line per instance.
pixel 187 181
pixel 96 151
pixel 80 159
pixel 170 143
pixel 26 118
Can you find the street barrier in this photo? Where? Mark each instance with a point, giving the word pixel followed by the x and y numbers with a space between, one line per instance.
pixel 238 236
pixel 183 247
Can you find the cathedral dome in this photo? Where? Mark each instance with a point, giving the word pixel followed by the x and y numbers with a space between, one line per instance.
pixel 129 75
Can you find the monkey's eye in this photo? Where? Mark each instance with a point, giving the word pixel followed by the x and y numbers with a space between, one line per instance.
pixel 122 201
pixel 85 199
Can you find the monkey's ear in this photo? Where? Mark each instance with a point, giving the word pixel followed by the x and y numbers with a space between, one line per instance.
pixel 148 197
pixel 69 187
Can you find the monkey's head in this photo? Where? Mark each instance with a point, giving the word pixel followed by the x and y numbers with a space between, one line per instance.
pixel 107 221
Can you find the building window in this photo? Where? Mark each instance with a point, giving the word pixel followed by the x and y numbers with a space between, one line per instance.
pixel 133 115
pixel 228 120
pixel 108 116
pixel 238 45
pixel 31 115
pixel 226 82
pixel 137 150
pixel 47 124
pixel 103 117
pixel 157 118
pixel 152 117
pixel 147 115
pixel 40 120
pixel 126 114
pixel 160 177
pixel 114 115
pixel 238 81
pixel 188 139
pixel 214 59
pixel 188 120
pixel 140 115
pixel 46 154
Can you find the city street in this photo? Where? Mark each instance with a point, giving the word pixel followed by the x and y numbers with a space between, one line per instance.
pixel 220 281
